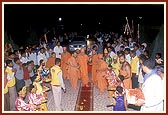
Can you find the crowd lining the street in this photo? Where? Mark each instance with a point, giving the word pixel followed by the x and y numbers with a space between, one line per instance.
pixel 117 64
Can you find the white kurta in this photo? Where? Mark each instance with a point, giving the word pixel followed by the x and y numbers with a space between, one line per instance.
pixel 41 56
pixel 33 57
pixel 128 58
pixel 140 77
pixel 58 51
pixel 24 59
pixel 153 92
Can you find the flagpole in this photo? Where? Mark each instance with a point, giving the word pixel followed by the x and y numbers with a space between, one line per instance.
pixel 138 33
pixel 132 29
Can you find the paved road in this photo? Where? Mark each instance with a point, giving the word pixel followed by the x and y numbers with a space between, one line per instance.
pixel 70 97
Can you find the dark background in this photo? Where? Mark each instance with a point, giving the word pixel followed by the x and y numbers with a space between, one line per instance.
pixel 20 19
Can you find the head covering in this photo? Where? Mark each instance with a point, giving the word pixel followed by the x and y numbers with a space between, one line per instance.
pixel 100 56
pixel 144 44
pixel 105 51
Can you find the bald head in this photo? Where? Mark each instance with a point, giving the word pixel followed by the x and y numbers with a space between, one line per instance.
pixel 82 50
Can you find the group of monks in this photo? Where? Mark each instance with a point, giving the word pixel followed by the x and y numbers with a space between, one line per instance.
pixel 75 66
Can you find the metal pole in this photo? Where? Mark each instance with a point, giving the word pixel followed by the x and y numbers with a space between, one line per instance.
pixel 138 33
pixel 132 30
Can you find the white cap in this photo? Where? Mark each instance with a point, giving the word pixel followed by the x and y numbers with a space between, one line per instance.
pixel 144 44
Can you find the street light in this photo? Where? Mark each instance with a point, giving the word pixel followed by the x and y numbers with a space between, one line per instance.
pixel 81 24
pixel 99 23
pixel 60 19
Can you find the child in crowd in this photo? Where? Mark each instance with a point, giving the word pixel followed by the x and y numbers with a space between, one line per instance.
pixel 40 91
pixel 37 83
pixel 120 81
pixel 26 76
pixel 35 99
pixel 112 81
pixel 31 69
pixel 32 97
pixel 120 100
pixel 43 72
pixel 20 104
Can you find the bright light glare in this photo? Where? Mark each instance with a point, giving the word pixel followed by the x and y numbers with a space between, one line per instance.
pixel 60 19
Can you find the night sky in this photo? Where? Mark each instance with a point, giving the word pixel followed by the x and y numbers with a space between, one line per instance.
pixel 19 18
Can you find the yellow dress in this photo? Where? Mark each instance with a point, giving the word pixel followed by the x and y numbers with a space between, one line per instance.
pixel 43 106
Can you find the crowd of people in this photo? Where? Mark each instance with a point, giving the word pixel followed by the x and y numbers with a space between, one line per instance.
pixel 116 64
